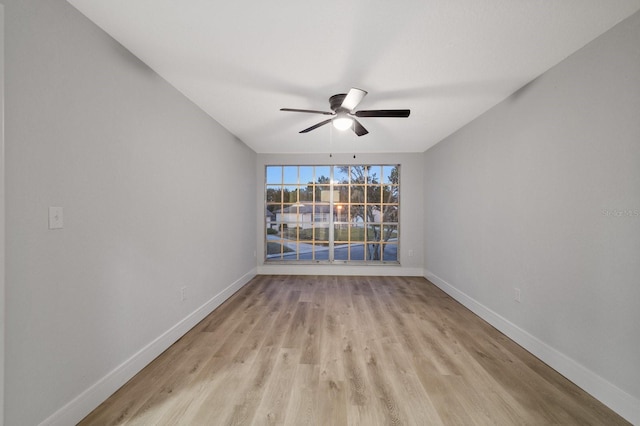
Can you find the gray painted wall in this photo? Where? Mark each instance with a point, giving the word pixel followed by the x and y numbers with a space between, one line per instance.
pixel 542 193
pixel 2 252
pixel 156 196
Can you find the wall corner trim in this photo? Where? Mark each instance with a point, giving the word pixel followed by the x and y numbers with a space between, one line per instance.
pixel 92 397
pixel 615 398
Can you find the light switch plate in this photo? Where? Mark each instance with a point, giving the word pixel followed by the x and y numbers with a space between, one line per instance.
pixel 56 218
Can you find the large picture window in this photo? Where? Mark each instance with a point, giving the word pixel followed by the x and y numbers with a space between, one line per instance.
pixel 332 213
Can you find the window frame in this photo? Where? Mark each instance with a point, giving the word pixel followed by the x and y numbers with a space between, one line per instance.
pixel 308 222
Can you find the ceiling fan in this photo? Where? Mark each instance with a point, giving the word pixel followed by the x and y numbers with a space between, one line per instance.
pixel 343 106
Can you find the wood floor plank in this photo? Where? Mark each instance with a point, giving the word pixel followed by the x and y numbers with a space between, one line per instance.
pixel 380 381
pixel 275 399
pixel 331 360
pixel 332 402
pixel 249 393
pixel 420 408
pixel 416 406
pixel 342 350
pixel 303 403
pixel 440 388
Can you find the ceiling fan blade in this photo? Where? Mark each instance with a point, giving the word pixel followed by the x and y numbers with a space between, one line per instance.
pixel 315 126
pixel 312 111
pixel 359 128
pixel 353 98
pixel 401 113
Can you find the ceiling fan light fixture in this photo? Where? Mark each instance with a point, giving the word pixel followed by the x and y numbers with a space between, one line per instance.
pixel 343 107
pixel 342 123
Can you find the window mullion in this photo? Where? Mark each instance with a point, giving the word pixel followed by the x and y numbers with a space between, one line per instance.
pixel 331 210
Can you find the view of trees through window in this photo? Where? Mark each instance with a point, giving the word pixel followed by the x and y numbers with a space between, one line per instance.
pixel 332 213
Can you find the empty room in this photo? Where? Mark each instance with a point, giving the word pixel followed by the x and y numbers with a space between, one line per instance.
pixel 336 213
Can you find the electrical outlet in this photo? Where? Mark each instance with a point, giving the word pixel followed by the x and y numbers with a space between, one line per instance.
pixel 183 293
pixel 410 253
pixel 516 295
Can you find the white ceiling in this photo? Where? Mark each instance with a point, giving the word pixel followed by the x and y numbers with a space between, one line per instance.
pixel 446 60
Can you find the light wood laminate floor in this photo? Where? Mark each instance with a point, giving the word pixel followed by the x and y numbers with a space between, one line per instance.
pixel 337 350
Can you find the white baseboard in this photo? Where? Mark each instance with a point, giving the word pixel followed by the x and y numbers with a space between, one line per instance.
pixel 615 398
pixel 339 269
pixel 87 401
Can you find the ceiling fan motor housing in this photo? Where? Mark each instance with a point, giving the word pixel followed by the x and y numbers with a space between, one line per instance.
pixel 336 101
